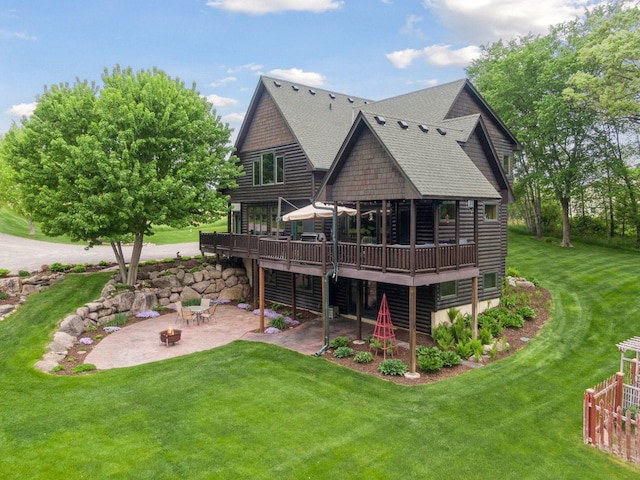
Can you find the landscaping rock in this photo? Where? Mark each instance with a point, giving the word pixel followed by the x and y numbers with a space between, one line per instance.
pixel 198 277
pixel 11 285
pixel 5 309
pixel 94 306
pixel 166 281
pixel 57 347
pixel 201 287
pixel 82 311
pixel 31 289
pixel 188 279
pixel 232 293
pixel 143 301
pixel 123 301
pixel 188 293
pixel 46 365
pixel 65 339
pixel 73 325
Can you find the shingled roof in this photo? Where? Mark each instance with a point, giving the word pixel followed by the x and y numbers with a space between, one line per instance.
pixel 431 158
pixel 319 119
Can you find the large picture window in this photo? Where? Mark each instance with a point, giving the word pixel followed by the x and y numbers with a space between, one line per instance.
pixel 268 170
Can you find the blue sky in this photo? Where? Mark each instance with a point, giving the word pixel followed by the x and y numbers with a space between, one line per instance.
pixel 368 48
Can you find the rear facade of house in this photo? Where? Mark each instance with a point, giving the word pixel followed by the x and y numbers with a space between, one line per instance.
pixel 427 173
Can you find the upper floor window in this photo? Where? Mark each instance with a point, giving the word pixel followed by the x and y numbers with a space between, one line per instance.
pixel 448 213
pixel 490 212
pixel 507 164
pixel 268 170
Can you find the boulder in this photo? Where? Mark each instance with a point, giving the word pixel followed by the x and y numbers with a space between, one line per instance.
pixel 94 306
pixel 232 293
pixel 57 347
pixel 188 279
pixel 31 289
pixel 5 309
pixel 123 301
pixel 82 311
pixel 188 293
pixel 46 365
pixel 231 281
pixel 64 339
pixel 198 277
pixel 201 287
pixel 144 301
pixel 11 285
pixel 165 281
pixel 73 325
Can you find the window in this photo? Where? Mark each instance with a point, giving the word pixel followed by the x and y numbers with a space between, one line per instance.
pixel 447 213
pixel 258 220
pixel 490 212
pixel 304 283
pixel 507 164
pixel 268 170
pixel 490 281
pixel 448 289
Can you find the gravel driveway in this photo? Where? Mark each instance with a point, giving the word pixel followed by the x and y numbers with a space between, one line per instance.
pixel 23 254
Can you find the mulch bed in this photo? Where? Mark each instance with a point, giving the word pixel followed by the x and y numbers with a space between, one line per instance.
pixel 517 339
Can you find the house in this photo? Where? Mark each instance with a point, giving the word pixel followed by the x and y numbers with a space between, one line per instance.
pixel 427 175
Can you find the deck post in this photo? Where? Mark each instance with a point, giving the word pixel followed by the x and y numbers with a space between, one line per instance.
pixel 474 307
pixel 412 329
pixel 359 308
pixel 412 239
pixel 325 314
pixel 619 390
pixel 358 236
pixel 261 299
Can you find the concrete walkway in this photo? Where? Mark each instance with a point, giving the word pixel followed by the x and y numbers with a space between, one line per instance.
pixel 140 342
pixel 25 254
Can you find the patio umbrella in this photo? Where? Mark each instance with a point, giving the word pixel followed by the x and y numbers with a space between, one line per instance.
pixel 310 212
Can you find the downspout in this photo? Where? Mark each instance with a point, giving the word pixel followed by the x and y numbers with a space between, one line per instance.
pixel 333 272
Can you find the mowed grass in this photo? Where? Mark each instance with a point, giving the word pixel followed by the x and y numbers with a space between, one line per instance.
pixel 13 224
pixel 251 410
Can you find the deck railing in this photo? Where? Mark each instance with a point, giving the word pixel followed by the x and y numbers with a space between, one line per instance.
pixel 426 258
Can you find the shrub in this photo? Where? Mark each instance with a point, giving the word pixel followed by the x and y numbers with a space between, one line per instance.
pixel 79 269
pixel 363 357
pixel 57 368
pixel 485 336
pixel 450 359
pixel 512 272
pixel 527 312
pixel 339 342
pixel 275 306
pixel 4 295
pixel 191 302
pixel 186 258
pixel 507 301
pixel 103 263
pixel 83 367
pixel 393 366
pixel 279 323
pixel 476 347
pixel 464 349
pixel 91 328
pixel 512 320
pixel 343 352
pixel 4 272
pixel 59 267
pixel 430 363
pixel 167 260
pixel 23 273
pixel 118 319
pixel 443 337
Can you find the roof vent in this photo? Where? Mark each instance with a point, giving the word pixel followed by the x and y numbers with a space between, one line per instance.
pixel 350 100
pixel 423 127
pixel 312 92
pixel 295 87
pixel 404 125
pixel 366 103
pixel 277 83
pixel 332 96
pixel 441 131
pixel 380 119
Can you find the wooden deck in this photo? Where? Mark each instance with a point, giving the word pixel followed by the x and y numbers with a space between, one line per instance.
pixel 317 257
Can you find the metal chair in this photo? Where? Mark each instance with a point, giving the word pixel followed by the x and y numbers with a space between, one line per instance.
pixel 187 315
pixel 178 308
pixel 208 314
pixel 205 302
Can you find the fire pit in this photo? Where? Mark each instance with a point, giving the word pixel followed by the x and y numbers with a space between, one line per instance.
pixel 170 336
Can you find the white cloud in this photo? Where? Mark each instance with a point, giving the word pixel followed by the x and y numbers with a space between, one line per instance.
pixel 222 82
pixel 252 67
pixel 221 102
pixel 296 75
pixel 439 55
pixel 485 21
pixel 409 28
pixel 260 7
pixel 6 34
pixel 233 117
pixel 22 109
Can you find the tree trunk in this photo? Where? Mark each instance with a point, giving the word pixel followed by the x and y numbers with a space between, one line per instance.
pixel 122 265
pixel 566 223
pixel 135 259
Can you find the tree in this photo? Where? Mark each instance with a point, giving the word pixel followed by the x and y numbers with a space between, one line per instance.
pixel 106 164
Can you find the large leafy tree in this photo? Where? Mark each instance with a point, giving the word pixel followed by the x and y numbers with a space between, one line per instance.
pixel 106 164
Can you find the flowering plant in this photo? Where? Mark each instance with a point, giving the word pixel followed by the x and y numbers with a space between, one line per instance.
pixel 222 300
pixel 86 341
pixel 111 329
pixel 291 322
pixel 271 330
pixel 267 313
pixel 243 306
pixel 147 314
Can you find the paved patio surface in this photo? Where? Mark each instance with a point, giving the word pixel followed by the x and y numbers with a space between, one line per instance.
pixel 140 342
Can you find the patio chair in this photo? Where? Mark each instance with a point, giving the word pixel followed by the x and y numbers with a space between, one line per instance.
pixel 178 308
pixel 208 314
pixel 187 315
pixel 205 302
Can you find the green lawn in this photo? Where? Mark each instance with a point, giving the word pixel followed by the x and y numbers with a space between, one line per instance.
pixel 13 224
pixel 250 410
